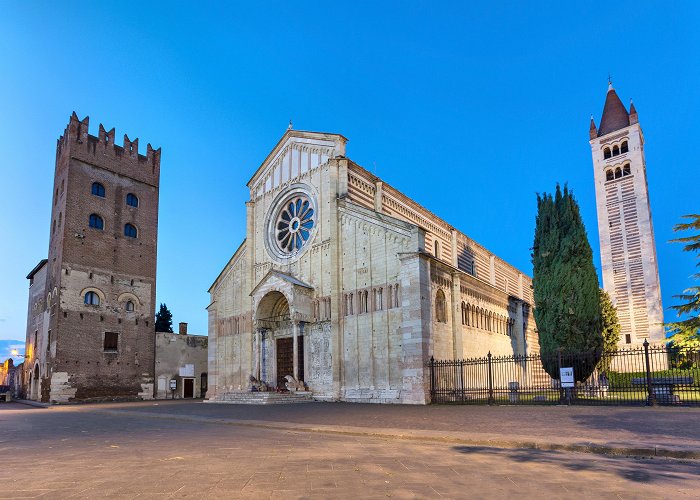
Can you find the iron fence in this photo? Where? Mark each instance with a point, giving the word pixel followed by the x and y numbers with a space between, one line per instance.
pixel 644 375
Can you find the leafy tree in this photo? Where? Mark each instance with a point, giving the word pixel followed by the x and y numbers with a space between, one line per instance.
pixel 611 329
pixel 567 303
pixel 164 320
pixel 686 332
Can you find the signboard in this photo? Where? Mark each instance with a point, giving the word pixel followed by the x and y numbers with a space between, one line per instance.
pixel 173 384
pixel 187 371
pixel 566 376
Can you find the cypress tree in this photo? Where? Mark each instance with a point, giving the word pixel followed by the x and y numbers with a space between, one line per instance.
pixel 164 320
pixel 567 305
pixel 611 329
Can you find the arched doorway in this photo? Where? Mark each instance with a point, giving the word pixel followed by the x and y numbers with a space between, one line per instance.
pixel 35 384
pixel 279 345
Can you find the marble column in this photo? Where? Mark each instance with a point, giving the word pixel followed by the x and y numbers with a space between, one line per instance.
pixel 295 348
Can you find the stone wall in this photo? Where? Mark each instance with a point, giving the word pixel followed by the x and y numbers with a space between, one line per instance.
pixel 174 352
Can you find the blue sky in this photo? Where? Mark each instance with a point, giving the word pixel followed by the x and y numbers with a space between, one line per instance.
pixel 469 109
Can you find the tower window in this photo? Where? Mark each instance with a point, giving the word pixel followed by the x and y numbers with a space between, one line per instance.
pixel 606 153
pixel 609 175
pixel 132 200
pixel 624 148
pixel 129 306
pixel 98 189
pixel 111 343
pixel 616 150
pixel 97 222
pixel 437 249
pixel 92 299
pixel 618 173
pixel 130 231
pixel 626 170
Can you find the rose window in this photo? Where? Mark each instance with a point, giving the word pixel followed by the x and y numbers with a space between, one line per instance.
pixel 295 221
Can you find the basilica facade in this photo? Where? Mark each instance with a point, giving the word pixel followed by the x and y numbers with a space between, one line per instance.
pixel 349 286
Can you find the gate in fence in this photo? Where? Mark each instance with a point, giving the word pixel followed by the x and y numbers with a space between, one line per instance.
pixel 645 375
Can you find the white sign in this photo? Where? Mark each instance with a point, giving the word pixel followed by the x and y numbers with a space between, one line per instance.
pixel 566 376
pixel 187 371
pixel 173 384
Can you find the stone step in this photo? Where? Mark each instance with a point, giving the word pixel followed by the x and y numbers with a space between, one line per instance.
pixel 261 398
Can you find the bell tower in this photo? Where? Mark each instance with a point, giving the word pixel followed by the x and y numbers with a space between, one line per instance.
pixel 627 247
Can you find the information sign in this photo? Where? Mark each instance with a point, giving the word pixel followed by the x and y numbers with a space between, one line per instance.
pixel 566 376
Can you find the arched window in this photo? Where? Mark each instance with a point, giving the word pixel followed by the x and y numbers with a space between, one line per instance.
pixel 92 299
pixel 440 307
pixel 97 222
pixel 132 200
pixel 129 306
pixel 464 313
pixel 98 189
pixel 437 249
pixel 130 230
pixel 606 153
pixel 609 175
pixel 618 173
pixel 625 170
pixel 616 150
pixel 624 148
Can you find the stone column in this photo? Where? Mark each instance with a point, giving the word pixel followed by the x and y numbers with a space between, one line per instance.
pixel 378 188
pixel 256 354
pixel 518 329
pixel 295 349
pixel 457 348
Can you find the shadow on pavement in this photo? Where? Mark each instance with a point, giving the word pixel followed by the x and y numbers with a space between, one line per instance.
pixel 640 470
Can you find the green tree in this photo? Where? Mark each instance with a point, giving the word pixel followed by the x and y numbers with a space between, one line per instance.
pixel 685 333
pixel 164 319
pixel 567 303
pixel 611 329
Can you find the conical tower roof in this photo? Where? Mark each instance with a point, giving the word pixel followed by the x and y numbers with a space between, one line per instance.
pixel 615 115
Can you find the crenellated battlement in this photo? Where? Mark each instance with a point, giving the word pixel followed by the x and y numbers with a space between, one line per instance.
pixel 102 150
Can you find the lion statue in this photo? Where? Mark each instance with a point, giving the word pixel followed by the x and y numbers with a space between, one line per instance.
pixel 294 385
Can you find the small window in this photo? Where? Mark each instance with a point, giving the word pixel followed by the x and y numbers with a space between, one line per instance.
pixel 606 153
pixel 130 231
pixel 628 338
pixel 437 249
pixel 609 175
pixel 96 222
pixel 92 299
pixel 616 150
pixel 624 148
pixel 111 342
pixel 129 306
pixel 132 200
pixel 626 170
pixel 618 173
pixel 98 189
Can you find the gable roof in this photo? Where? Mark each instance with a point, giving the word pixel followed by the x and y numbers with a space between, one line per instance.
pixel 284 276
pixel 299 134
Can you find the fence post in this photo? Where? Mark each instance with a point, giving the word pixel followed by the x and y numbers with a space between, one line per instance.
pixel 432 379
pixel 488 357
pixel 651 401
pixel 561 389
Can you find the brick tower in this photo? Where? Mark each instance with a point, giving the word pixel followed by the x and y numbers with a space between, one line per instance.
pixel 627 248
pixel 91 334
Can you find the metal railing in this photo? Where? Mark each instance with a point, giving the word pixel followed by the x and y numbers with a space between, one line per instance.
pixel 644 375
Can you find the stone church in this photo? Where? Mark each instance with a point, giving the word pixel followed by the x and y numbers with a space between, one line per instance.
pixel 348 285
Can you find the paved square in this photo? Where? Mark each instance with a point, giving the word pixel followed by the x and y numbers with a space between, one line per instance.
pixel 111 451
